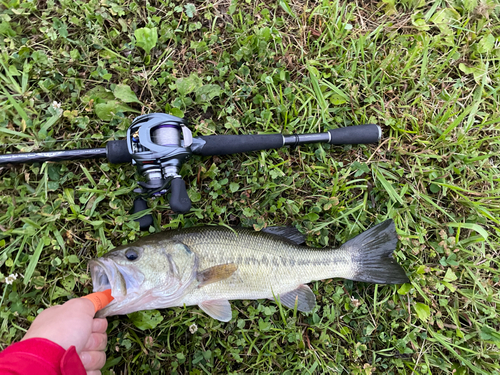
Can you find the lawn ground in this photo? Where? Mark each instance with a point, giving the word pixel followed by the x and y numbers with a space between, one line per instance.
pixel 75 73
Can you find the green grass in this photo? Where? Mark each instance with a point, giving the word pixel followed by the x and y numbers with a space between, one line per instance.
pixel 427 72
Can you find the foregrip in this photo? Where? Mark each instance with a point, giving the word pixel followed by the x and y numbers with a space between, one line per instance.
pixel 117 152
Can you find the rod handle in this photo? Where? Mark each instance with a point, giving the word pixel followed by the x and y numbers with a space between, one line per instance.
pixel 355 135
pixel 211 145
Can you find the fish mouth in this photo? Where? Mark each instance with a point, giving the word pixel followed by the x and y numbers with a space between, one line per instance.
pixel 107 275
pixel 100 278
pixel 124 283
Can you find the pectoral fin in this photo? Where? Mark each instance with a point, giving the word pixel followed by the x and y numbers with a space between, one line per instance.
pixel 215 273
pixel 306 300
pixel 218 309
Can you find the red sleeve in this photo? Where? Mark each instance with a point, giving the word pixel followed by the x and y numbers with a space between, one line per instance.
pixel 39 356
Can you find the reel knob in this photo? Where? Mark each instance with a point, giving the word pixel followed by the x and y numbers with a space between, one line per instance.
pixel 147 220
pixel 179 200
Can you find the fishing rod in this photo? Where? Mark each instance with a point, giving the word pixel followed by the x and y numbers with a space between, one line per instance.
pixel 158 144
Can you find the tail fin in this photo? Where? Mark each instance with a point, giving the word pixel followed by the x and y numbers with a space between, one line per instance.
pixel 371 254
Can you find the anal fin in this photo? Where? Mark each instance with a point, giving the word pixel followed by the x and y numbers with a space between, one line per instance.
pixel 306 300
pixel 219 309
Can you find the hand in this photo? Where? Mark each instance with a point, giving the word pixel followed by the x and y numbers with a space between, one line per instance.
pixel 73 324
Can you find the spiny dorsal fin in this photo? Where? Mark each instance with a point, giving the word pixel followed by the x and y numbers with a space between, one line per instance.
pixel 215 273
pixel 306 300
pixel 218 309
pixel 289 233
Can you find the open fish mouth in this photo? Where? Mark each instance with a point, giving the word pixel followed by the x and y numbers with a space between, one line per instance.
pixel 107 275
pixel 124 282
pixel 100 278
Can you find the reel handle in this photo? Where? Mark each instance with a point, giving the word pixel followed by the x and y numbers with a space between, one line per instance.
pixel 147 220
pixel 179 200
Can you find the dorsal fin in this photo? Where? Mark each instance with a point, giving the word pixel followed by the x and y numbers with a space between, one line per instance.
pixel 289 233
pixel 215 273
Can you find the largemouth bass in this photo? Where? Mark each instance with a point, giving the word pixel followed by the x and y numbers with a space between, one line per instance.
pixel 209 266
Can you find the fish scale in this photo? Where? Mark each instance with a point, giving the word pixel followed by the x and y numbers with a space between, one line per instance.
pixel 209 266
pixel 266 263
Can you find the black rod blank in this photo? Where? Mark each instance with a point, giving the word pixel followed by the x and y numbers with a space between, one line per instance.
pixel 40 157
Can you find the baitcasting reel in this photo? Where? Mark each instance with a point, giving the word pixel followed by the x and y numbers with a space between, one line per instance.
pixel 158 151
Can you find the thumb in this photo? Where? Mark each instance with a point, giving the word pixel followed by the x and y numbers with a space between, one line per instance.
pixel 82 305
pixel 100 299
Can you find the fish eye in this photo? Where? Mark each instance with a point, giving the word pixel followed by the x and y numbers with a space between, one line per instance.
pixel 131 254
